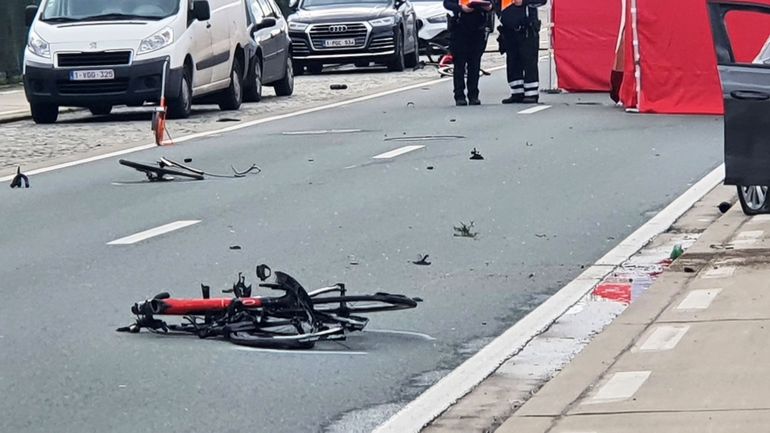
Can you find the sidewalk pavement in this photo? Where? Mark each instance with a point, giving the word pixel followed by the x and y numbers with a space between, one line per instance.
pixel 691 355
pixel 13 104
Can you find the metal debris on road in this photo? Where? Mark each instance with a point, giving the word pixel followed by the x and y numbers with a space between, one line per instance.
pixel 422 260
pixel 476 155
pixel 19 178
pixel 167 169
pixel 430 167
pixel 338 86
pixel 235 247
pixel 464 230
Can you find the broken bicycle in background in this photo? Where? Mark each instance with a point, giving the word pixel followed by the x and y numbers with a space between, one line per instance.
pixel 166 170
pixel 296 320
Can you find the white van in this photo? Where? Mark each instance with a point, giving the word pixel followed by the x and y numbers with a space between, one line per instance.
pixel 100 53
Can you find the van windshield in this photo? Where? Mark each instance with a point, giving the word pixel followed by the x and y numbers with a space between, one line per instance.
pixel 103 10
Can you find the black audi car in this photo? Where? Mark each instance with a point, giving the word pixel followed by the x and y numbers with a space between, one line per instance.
pixel 353 31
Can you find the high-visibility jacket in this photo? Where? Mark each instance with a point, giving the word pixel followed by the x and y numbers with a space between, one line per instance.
pixel 519 17
pixel 474 21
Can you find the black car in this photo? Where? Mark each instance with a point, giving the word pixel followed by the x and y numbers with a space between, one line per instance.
pixel 271 63
pixel 353 31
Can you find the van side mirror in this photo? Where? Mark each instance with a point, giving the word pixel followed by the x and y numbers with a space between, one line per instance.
pixel 265 23
pixel 201 10
pixel 30 12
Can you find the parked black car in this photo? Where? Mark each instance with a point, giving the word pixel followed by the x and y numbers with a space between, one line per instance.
pixel 353 31
pixel 271 63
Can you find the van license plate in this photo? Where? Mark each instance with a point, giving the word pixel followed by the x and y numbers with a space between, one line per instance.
pixel 333 43
pixel 100 74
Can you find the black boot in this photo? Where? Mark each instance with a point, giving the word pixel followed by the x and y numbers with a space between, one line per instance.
pixel 530 100
pixel 513 99
pixel 474 100
pixel 460 101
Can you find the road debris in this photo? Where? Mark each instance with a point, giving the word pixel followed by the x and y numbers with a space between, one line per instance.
pixel 19 178
pixel 228 119
pixel 676 252
pixel 464 230
pixel 724 207
pixel 476 155
pixel 541 235
pixel 352 260
pixel 167 169
pixel 410 104
pixel 430 167
pixel 338 86
pixel 422 260
pixel 235 247
pixel 187 160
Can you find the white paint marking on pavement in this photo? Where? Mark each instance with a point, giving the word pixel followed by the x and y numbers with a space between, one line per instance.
pixel 535 109
pixel 747 238
pixel 662 338
pixel 392 331
pixel 240 126
pixel 299 352
pixel 322 132
pixel 435 400
pixel 157 231
pixel 698 299
pixel 621 386
pixel 720 272
pixel 400 151
pixel 10 92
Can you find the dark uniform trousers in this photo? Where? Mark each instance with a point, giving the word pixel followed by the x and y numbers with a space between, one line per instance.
pixel 521 51
pixel 467 44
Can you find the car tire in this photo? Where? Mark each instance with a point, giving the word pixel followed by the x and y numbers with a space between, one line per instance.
pixel 232 97
pixel 253 91
pixel 100 110
pixel 315 68
pixel 754 199
pixel 414 57
pixel 44 113
pixel 285 87
pixel 397 62
pixel 180 107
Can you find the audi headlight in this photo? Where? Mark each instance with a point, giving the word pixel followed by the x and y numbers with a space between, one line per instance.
pixel 157 41
pixel 297 27
pixel 380 22
pixel 38 46
pixel 437 19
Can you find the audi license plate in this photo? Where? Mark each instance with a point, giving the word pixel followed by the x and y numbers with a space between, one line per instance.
pixel 336 43
pixel 99 74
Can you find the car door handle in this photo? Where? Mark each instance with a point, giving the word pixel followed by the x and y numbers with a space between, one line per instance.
pixel 751 95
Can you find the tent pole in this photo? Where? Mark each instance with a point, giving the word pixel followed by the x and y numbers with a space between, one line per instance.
pixel 637 55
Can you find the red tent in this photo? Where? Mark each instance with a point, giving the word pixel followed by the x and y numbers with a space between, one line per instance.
pixel 670 65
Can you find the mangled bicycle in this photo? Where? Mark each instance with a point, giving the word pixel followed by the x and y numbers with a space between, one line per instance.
pixel 296 320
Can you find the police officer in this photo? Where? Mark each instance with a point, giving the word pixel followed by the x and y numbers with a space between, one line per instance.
pixel 520 33
pixel 468 39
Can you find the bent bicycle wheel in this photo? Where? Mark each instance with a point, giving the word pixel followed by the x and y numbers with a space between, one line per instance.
pixel 358 304
pixel 269 340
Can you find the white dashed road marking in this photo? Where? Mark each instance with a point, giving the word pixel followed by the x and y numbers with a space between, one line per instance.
pixel 535 109
pixel 299 352
pixel 698 299
pixel 662 338
pixel 396 152
pixel 157 231
pixel 720 272
pixel 621 386
pixel 322 132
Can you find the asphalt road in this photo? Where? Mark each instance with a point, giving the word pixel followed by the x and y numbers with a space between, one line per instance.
pixel 556 190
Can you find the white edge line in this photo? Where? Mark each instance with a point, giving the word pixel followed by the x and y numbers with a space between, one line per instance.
pixel 240 126
pixel 153 232
pixel 435 400
pixel 535 109
pixel 398 152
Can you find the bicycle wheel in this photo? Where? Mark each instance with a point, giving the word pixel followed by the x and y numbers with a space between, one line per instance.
pixel 359 304
pixel 446 71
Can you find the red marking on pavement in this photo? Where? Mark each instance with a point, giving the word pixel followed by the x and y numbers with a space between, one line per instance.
pixel 619 292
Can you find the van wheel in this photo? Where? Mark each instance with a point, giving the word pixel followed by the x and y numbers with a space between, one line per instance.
pixel 285 87
pixel 44 113
pixel 253 91
pixel 181 106
pixel 101 110
pixel 232 97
